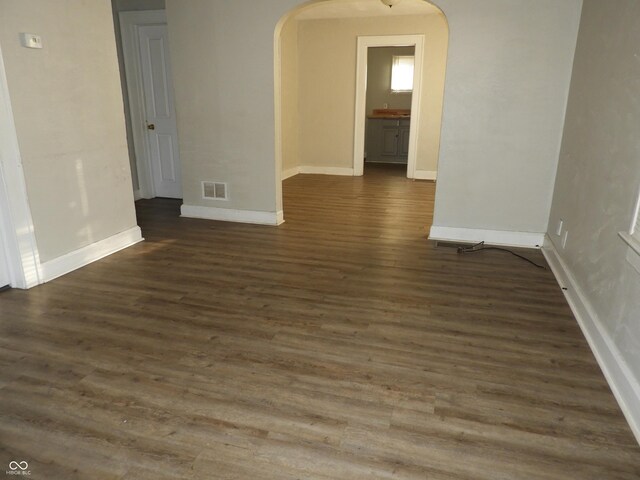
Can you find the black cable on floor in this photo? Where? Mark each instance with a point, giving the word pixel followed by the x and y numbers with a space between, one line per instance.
pixel 480 247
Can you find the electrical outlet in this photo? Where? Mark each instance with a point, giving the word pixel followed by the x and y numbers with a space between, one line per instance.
pixel 564 239
pixel 560 227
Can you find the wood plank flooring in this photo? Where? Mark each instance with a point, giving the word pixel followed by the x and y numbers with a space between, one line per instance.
pixel 341 345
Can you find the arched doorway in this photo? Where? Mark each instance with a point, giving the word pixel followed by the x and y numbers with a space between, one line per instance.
pixel 319 112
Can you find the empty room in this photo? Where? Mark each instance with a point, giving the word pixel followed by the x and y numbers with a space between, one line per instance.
pixel 329 239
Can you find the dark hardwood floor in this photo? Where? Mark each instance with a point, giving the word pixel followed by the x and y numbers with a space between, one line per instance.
pixel 341 345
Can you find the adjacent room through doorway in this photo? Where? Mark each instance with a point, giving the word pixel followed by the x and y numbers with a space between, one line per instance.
pixel 390 72
pixel 356 88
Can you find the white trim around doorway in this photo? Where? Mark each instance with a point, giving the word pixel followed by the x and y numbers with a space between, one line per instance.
pixel 15 214
pixel 129 23
pixel 364 43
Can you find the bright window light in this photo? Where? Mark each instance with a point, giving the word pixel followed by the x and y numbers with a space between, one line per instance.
pixel 635 224
pixel 402 74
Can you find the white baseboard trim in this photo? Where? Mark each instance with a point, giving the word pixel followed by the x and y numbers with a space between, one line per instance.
pixel 623 383
pixel 348 172
pixel 137 195
pixel 426 175
pixel 291 172
pixel 491 237
pixel 84 256
pixel 229 215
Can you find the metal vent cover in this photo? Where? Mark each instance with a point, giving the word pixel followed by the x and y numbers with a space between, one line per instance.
pixel 215 190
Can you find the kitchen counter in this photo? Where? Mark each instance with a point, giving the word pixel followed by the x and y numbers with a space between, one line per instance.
pixel 390 114
pixel 387 136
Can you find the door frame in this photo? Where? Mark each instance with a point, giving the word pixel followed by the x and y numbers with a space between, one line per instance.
pixel 23 259
pixel 129 24
pixel 364 43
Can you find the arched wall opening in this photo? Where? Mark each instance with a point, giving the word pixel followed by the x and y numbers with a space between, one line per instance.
pixel 316 71
pixel 508 76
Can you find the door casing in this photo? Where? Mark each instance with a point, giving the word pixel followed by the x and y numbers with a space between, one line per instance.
pixel 364 43
pixel 16 223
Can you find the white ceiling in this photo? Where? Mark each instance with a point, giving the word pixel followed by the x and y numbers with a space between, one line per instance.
pixel 364 8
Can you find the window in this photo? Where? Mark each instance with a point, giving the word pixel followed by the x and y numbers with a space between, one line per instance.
pixel 402 74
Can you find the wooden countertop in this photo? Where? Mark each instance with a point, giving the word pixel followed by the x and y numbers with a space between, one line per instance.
pixel 389 117
pixel 390 113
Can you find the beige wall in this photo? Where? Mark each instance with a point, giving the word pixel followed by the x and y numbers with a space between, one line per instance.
pixel 67 105
pixel 379 66
pixel 127 6
pixel 599 170
pixel 327 64
pixel 508 77
pixel 290 103
pixel 222 55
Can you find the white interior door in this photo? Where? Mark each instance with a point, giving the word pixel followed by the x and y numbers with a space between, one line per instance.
pixel 162 131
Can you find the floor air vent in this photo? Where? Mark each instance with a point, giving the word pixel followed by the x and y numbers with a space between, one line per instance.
pixel 214 190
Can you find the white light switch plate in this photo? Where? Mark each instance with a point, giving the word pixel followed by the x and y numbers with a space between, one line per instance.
pixel 30 40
